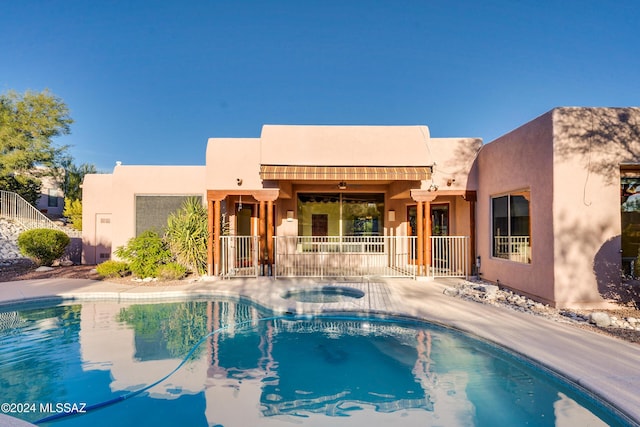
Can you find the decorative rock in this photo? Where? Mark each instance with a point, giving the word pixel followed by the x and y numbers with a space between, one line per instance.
pixel 66 263
pixel 600 319
pixel 44 268
pixel 451 292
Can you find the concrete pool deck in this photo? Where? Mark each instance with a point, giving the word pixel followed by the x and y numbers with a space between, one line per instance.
pixel 607 366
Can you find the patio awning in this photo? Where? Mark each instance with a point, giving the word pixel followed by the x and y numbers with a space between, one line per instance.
pixel 350 173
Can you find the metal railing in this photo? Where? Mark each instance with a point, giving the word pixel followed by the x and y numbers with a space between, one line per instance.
pixel 335 256
pixel 450 256
pixel 351 256
pixel 514 248
pixel 239 256
pixel 14 207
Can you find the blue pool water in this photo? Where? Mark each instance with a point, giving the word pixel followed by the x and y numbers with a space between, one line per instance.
pixel 255 369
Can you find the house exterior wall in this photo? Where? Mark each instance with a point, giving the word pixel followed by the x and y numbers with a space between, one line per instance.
pixel 590 146
pixel 115 194
pixel 97 190
pixel 521 159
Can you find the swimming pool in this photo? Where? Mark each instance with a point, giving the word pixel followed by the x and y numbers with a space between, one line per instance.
pixel 259 369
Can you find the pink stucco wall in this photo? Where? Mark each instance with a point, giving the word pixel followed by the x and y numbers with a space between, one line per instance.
pixel 519 160
pixel 570 159
pixel 115 194
pixel 591 144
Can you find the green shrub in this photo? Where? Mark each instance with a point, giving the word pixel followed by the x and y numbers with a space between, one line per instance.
pixel 145 254
pixel 43 245
pixel 171 271
pixel 187 233
pixel 113 268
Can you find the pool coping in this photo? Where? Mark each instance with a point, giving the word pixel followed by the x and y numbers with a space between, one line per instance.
pixel 606 366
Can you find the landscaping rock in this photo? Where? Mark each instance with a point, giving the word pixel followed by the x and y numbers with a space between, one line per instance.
pixel 600 319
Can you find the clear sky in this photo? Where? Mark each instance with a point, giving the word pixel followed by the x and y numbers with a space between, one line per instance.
pixel 148 81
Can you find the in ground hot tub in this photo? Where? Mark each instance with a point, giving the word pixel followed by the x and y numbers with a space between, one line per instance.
pixel 323 294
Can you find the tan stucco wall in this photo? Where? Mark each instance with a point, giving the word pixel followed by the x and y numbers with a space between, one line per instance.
pixel 115 194
pixel 590 146
pixel 454 159
pixel 570 160
pixel 345 145
pixel 521 159
pixel 230 159
pixel 96 200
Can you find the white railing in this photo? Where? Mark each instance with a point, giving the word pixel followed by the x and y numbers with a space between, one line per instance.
pixel 450 256
pixel 335 256
pixel 514 248
pixel 239 256
pixel 352 256
pixel 14 207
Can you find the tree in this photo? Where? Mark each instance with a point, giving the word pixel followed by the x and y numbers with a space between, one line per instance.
pixel 28 124
pixel 73 176
pixel 73 211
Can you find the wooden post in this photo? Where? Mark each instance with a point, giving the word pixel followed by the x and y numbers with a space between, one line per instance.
pixel 427 236
pixel 270 234
pixel 216 237
pixel 262 219
pixel 210 238
pixel 420 238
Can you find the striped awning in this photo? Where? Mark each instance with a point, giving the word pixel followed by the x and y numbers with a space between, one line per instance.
pixel 340 173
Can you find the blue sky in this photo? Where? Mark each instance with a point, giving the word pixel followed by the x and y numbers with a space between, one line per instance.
pixel 147 82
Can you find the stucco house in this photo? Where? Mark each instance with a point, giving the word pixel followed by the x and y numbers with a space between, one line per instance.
pixel 537 210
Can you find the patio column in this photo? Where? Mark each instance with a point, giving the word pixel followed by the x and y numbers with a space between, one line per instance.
pixel 423 199
pixel 419 237
pixel 262 233
pixel 270 233
pixel 210 210
pixel 265 226
pixel 216 237
pixel 427 236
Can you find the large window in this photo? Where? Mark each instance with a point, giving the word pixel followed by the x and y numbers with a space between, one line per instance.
pixel 340 214
pixel 512 227
pixel 630 219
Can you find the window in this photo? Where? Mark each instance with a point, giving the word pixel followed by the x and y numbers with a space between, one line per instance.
pixel 630 219
pixel 340 214
pixel 512 227
pixel 52 201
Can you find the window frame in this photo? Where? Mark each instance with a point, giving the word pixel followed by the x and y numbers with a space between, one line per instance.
pixel 517 247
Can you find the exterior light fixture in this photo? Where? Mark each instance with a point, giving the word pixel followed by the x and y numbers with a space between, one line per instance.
pixel 239 181
pixel 432 187
pixel 342 185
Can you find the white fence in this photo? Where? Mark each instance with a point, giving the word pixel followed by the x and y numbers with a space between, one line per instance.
pixel 14 207
pixel 514 248
pixel 450 256
pixel 352 256
pixel 239 256
pixel 334 256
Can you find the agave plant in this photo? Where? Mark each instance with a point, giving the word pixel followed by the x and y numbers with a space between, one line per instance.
pixel 186 235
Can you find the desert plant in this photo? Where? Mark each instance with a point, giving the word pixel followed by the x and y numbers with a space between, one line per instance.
pixel 186 235
pixel 113 268
pixel 43 245
pixel 171 271
pixel 145 254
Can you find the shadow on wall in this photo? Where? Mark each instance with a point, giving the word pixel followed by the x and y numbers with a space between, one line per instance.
pixel 605 137
pixel 608 272
pixel 580 237
pixel 73 252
